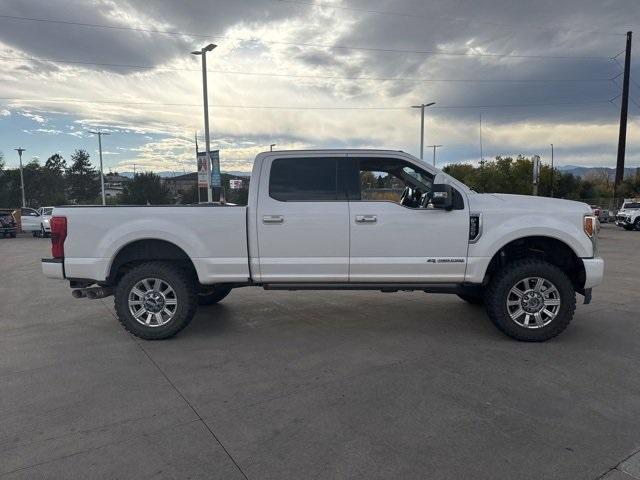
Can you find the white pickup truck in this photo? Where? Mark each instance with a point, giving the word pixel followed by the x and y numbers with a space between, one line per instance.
pixel 335 219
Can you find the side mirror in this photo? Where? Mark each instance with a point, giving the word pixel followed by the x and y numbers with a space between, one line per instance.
pixel 442 196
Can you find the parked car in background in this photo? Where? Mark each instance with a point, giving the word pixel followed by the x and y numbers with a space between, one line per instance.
pixel 628 217
pixel 8 224
pixel 30 221
pixel 45 217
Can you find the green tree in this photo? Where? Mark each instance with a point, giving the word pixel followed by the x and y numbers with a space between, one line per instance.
pixel 53 180
pixel 83 182
pixel 146 189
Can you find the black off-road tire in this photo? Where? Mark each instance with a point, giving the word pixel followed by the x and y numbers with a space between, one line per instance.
pixel 183 286
pixel 636 224
pixel 213 295
pixel 505 279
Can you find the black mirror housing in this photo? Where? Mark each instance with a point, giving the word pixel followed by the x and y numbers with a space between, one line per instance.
pixel 442 196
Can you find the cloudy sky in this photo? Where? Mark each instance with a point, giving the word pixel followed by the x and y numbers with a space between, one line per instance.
pixel 316 74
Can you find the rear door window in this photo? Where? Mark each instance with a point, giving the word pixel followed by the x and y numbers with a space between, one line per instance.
pixel 304 180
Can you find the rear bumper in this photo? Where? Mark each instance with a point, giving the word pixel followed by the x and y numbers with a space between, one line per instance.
pixel 594 271
pixel 53 268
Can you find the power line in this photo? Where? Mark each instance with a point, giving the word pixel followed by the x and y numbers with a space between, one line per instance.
pixel 312 45
pixel 278 107
pixel 322 77
pixel 432 17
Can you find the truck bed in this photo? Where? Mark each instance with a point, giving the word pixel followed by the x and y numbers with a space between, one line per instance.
pixel 214 237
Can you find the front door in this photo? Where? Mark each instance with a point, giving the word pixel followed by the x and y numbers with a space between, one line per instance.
pixel 396 235
pixel 302 221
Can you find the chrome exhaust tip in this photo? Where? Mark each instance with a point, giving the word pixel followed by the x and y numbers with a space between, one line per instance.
pixel 79 293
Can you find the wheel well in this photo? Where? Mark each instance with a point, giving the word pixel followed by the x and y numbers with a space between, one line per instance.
pixel 548 249
pixel 142 251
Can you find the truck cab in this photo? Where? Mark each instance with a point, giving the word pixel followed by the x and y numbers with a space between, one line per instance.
pixel 335 219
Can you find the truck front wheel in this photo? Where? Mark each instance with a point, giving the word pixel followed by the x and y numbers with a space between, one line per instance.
pixel 531 300
pixel 155 300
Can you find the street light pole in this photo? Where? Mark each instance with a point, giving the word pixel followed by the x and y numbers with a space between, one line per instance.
pixel 20 150
pixel 203 53
pixel 271 147
pixel 422 106
pixel 104 201
pixel 434 152
pixel 552 170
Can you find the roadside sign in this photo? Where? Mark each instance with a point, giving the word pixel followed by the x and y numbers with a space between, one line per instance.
pixel 215 168
pixel 203 169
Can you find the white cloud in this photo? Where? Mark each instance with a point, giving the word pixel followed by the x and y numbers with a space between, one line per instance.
pixel 48 131
pixel 33 116
pixel 4 112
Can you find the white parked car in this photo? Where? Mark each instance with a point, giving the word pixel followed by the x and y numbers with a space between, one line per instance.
pixel 318 220
pixel 628 216
pixel 45 217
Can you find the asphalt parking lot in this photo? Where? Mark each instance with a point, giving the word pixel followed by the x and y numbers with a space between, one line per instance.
pixel 316 385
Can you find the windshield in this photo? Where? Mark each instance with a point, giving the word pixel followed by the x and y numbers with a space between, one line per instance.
pixel 631 205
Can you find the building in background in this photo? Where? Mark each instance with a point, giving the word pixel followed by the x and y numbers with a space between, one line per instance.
pixel 236 184
pixel 181 183
pixel 114 184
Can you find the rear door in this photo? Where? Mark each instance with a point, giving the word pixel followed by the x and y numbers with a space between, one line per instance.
pixel 302 220
pixel 30 220
pixel 395 242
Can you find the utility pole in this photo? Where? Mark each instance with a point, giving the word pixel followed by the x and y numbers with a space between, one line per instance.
pixel 422 106
pixel 195 136
pixel 624 108
pixel 203 53
pixel 20 150
pixel 434 152
pixel 104 201
pixel 552 171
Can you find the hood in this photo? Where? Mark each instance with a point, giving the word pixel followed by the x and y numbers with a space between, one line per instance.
pixel 527 203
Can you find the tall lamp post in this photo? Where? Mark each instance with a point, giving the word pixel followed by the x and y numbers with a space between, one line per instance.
pixel 20 150
pixel 552 170
pixel 203 53
pixel 99 134
pixel 271 147
pixel 422 106
pixel 434 152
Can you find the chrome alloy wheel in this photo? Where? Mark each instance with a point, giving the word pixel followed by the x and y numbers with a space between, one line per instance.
pixel 533 302
pixel 152 302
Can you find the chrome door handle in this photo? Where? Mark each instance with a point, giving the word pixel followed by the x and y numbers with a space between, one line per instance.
pixel 366 219
pixel 272 219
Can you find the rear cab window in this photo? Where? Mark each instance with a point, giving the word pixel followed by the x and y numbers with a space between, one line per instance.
pixel 305 180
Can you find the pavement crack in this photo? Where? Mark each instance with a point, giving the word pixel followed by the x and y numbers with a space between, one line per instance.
pixel 215 437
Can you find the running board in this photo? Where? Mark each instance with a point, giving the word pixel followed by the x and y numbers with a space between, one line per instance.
pixel 384 287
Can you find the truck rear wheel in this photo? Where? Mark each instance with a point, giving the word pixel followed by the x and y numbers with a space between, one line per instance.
pixel 213 295
pixel 531 300
pixel 155 300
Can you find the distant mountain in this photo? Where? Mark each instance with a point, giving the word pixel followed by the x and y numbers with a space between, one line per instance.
pixel 595 171
pixel 176 173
